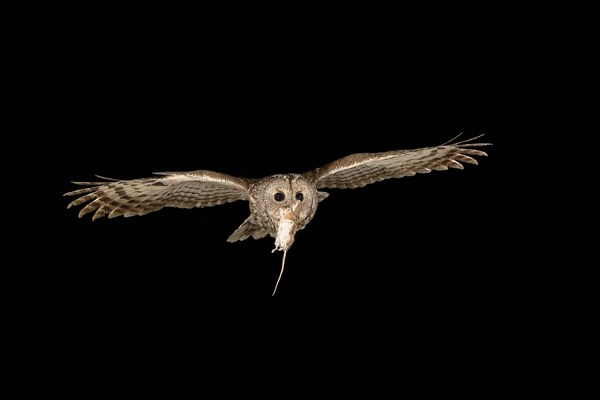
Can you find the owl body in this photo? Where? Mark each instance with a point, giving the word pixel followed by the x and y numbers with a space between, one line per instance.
pixel 280 205
pixel 274 199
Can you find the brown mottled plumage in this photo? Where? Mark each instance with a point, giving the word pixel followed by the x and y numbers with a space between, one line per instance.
pixel 280 204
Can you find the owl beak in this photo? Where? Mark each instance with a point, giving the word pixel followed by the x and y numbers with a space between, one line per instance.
pixel 296 209
pixel 291 213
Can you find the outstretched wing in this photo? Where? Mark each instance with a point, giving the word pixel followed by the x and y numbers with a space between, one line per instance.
pixel 357 170
pixel 169 189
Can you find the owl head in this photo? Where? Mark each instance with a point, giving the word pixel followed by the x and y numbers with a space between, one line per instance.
pixel 285 203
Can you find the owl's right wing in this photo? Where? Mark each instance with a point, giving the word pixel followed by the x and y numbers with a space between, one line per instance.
pixel 357 170
pixel 200 188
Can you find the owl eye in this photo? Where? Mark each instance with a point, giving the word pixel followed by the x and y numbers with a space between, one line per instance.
pixel 299 196
pixel 279 196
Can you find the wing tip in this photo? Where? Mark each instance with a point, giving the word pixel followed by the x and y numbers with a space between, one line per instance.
pixel 466 142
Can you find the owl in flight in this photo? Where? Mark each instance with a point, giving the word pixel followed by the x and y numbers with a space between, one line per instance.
pixel 280 205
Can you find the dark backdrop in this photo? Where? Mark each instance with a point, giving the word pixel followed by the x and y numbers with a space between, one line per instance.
pixel 408 266
pixel 403 281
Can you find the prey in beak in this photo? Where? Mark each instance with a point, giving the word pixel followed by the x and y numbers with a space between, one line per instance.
pixel 285 235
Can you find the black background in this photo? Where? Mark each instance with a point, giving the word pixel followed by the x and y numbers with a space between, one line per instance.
pixel 406 266
pixel 404 281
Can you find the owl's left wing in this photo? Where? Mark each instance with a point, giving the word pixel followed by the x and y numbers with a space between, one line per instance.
pixel 200 188
pixel 357 170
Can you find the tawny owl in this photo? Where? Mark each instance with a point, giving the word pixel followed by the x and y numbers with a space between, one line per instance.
pixel 280 205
